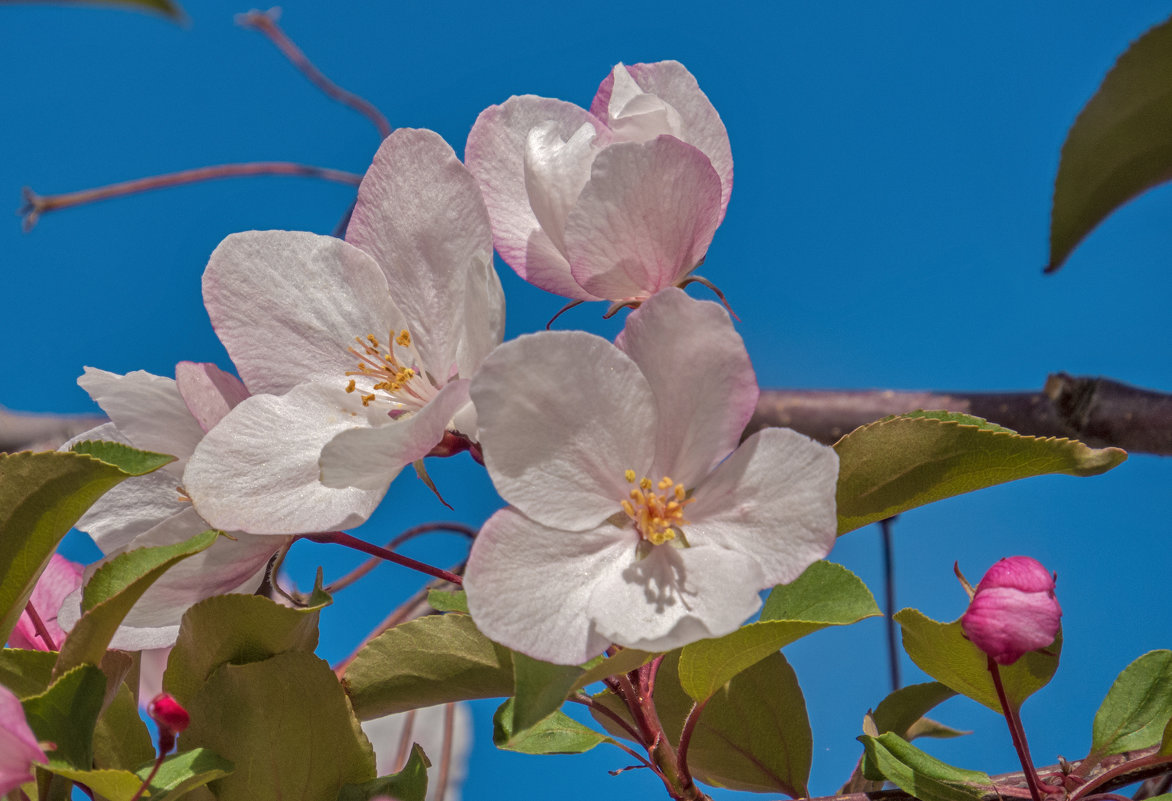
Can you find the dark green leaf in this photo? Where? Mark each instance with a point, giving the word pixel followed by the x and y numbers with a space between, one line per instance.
pixel 924 777
pixel 409 784
pixel 539 688
pixel 555 734
pixel 941 651
pixel 66 713
pixel 1119 145
pixel 428 661
pixel 237 629
pixel 599 668
pixel 825 595
pixel 286 724
pixel 41 496
pixel 1137 708
pixel 448 601
pixel 26 672
pixel 899 463
pixel 121 739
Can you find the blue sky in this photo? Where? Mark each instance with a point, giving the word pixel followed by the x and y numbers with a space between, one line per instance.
pixel 888 227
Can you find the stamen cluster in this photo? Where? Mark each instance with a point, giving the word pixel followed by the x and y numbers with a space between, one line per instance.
pixel 656 515
pixel 383 367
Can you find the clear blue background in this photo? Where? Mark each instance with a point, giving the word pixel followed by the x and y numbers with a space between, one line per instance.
pixel 888 226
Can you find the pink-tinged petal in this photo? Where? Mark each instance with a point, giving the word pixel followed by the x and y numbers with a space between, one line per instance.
pixel 704 384
pixel 147 411
pixel 528 585
pixel 556 169
pixel 391 737
pixel 563 414
pixel 230 565
pixel 208 392
pixel 1013 610
pixel 18 744
pixel 1018 573
pixel 495 154
pixel 370 458
pixel 136 505
pixel 700 123
pixel 288 304
pixel 773 499
pixel 257 471
pixel 635 115
pixel 152 665
pixel 61 577
pixel 644 220
pixel 421 216
pixel 674 596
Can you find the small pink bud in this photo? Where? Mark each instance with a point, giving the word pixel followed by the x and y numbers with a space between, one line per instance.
pixel 1013 610
pixel 167 712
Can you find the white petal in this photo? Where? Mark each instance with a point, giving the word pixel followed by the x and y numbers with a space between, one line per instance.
pixel 635 115
pixel 370 458
pixel 147 411
pixel 207 391
pixel 562 415
pixel 528 585
pixel 644 220
pixel 773 499
pixel 556 169
pixel 675 596
pixel 421 216
pixel 704 385
pixel 495 154
pixel 257 471
pixel 287 305
pixel 700 124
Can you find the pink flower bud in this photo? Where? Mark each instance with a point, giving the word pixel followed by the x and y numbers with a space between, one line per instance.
pixel 1013 610
pixel 167 712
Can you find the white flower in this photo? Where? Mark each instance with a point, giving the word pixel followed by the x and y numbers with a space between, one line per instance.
pixel 616 202
pixel 357 352
pixel 635 518
pixel 159 414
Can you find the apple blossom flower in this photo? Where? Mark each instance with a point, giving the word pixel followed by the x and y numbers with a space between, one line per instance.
pixel 18 745
pixel 166 416
pixel 1013 610
pixel 635 518
pixel 358 352
pixel 391 736
pixel 613 203
pixel 60 578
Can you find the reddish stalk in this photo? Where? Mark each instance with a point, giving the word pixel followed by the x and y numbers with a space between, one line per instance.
pixel 1017 734
pixel 349 541
pixel 39 625
pixel 686 736
pixel 35 205
pixel 606 711
pixel 370 564
pixel 266 23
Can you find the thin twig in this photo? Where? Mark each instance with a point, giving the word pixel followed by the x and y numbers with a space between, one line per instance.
pixel 686 736
pixel 889 599
pixel 38 624
pixel 1016 733
pixel 266 23
pixel 35 205
pixel 409 534
pixel 350 541
pixel 605 710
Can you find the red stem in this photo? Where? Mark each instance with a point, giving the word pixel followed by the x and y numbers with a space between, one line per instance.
pixel 409 534
pixel 349 541
pixel 1017 733
pixel 39 625
pixel 686 736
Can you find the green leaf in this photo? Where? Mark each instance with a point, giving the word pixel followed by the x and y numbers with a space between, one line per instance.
pixel 1137 708
pixel 902 462
pixel 428 661
pixel 26 672
pixel 448 601
pixel 121 739
pixel 539 688
pixel 826 594
pixel 113 785
pixel 285 723
pixel 1166 743
pixel 113 590
pixel 65 714
pixel 181 773
pixel 237 629
pixel 599 668
pixel 941 651
pixel 1119 146
pixel 924 777
pixel 129 460
pixel 409 784
pixel 903 711
pixel 555 734
pixel 41 496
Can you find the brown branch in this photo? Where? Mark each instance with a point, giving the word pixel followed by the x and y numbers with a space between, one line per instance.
pixel 20 431
pixel 1098 411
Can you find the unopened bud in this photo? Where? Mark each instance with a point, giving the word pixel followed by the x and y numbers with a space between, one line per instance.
pixel 1013 610
pixel 168 713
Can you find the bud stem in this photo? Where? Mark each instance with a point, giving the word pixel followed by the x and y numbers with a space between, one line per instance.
pixel 1016 733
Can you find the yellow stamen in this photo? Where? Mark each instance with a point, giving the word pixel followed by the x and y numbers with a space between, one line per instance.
pixel 404 338
pixel 657 516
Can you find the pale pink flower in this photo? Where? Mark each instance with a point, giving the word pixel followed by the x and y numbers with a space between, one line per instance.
pixel 392 736
pixel 1013 610
pixel 636 519
pixel 357 352
pixel 169 416
pixel 18 745
pixel 613 203
pixel 60 578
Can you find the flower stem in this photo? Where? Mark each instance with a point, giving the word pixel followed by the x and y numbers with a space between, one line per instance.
pixel 39 625
pixel 35 205
pixel 349 541
pixel 686 735
pixel 889 598
pixel 415 531
pixel 1016 733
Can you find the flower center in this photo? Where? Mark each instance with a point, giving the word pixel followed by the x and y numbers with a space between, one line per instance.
pixel 656 508
pixel 387 372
